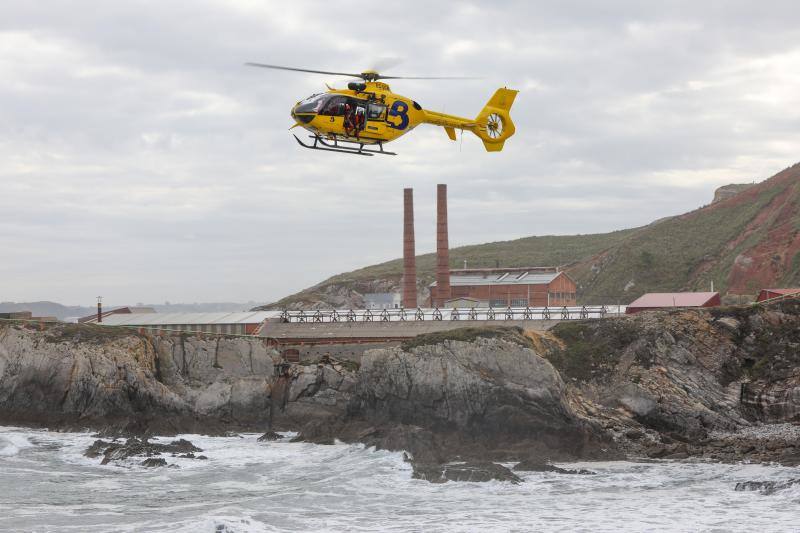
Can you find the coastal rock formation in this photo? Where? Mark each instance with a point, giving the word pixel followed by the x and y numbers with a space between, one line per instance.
pixel 766 487
pixel 133 447
pixel 95 376
pixel 497 391
pixel 664 385
pixel 668 384
pixel 477 471
pixel 485 395
pixel 536 466
pixel 729 191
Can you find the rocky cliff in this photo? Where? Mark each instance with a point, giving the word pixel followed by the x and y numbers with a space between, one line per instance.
pixel 82 375
pixel 481 393
pixel 729 191
pixel 668 384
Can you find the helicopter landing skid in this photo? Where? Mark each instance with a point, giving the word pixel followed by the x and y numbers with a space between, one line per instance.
pixel 321 144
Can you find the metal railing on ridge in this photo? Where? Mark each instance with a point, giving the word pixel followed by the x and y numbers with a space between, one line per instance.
pixel 450 314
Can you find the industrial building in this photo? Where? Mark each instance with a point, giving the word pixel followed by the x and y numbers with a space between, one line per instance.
pixel 101 315
pixel 671 300
pixel 512 287
pixel 507 287
pixel 767 294
pixel 244 323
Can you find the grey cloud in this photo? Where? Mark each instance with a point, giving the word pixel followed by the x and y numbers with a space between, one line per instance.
pixel 140 159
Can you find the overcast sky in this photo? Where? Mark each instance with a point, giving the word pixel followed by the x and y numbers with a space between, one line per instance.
pixel 140 160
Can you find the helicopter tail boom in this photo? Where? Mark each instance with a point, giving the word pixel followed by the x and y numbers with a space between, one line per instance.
pixel 493 125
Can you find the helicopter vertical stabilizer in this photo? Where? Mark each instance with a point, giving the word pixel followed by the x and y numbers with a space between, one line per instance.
pixel 493 123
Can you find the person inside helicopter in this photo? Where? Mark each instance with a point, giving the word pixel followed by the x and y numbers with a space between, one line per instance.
pixel 334 106
pixel 354 118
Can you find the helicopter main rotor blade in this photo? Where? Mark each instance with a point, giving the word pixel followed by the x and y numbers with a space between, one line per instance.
pixel 277 67
pixel 380 77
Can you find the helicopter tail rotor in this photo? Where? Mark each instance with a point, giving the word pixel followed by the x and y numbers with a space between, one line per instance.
pixel 493 124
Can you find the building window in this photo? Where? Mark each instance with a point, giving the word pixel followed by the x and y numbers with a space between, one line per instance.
pixel 519 302
pixel 498 303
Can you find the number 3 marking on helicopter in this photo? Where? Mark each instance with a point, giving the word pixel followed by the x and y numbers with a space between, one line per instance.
pixel 399 109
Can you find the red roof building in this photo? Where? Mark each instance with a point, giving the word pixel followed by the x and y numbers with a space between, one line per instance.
pixel 511 287
pixel 767 294
pixel 671 300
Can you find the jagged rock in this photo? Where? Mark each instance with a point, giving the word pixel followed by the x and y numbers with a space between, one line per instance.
pixel 729 323
pixel 483 394
pixel 135 384
pixel 269 436
pixel 179 446
pixel 729 191
pixel 634 434
pixel 154 461
pixel 133 447
pixel 766 487
pixel 537 466
pixel 499 392
pixel 469 471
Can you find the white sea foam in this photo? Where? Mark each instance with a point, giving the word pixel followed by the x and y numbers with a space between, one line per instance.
pixel 11 443
pixel 248 486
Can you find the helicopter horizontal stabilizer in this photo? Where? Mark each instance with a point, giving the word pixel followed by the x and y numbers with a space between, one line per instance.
pixel 451 132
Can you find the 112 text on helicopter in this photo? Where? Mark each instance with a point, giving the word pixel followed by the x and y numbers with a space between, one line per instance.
pixel 367 115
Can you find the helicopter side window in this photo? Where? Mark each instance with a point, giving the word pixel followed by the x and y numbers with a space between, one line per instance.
pixel 376 111
pixel 334 106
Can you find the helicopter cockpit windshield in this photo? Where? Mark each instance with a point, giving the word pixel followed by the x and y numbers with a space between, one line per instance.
pixel 312 104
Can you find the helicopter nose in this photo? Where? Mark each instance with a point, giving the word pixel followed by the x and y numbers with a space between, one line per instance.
pixel 304 117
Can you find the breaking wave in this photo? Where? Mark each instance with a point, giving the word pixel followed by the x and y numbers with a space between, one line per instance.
pixel 248 486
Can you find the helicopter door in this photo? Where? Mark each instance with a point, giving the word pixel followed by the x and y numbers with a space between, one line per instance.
pixel 376 119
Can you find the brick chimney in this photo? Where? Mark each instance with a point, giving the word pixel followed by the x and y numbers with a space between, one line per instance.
pixel 409 254
pixel 442 248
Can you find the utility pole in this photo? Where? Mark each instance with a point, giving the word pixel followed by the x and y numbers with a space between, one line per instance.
pixel 99 309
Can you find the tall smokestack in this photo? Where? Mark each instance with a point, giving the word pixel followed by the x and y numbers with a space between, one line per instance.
pixel 442 248
pixel 409 254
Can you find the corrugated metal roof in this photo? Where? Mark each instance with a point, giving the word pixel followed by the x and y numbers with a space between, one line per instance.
pixel 673 299
pixel 140 310
pixel 513 278
pixel 171 319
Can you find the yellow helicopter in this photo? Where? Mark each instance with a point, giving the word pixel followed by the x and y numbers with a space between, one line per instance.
pixel 369 114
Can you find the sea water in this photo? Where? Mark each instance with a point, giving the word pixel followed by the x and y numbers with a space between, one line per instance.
pixel 46 484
